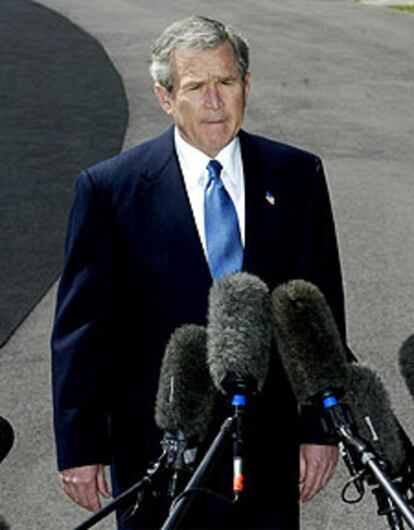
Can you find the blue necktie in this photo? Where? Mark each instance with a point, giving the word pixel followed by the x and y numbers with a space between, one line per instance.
pixel 223 241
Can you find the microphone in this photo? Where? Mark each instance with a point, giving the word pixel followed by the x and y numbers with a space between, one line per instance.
pixel 185 398
pixel 406 361
pixel 308 341
pixel 239 335
pixel 374 418
pixel 315 360
pixel 312 352
pixel 6 438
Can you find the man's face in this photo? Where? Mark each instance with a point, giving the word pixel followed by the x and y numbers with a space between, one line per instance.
pixel 208 98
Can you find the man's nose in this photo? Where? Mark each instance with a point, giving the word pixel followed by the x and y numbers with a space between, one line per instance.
pixel 212 97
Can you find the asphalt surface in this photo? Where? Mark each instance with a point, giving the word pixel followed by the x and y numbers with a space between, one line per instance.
pixel 334 76
pixel 60 95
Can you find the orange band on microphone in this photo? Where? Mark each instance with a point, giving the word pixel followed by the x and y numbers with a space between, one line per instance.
pixel 238 483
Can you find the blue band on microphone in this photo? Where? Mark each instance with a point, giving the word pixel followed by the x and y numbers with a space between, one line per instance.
pixel 239 400
pixel 329 402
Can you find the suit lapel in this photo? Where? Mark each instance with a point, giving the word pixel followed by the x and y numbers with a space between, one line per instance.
pixel 177 206
pixel 257 209
pixel 188 269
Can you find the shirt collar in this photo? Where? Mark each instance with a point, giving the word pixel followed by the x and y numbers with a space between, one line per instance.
pixel 196 161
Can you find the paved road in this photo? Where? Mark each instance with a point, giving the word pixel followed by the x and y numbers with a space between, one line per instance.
pixel 333 76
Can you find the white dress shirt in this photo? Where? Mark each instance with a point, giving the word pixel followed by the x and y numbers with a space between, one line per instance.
pixel 193 164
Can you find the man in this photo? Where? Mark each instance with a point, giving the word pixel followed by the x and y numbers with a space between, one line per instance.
pixel 138 264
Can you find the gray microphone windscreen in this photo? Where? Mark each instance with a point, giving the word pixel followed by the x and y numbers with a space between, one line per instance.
pixel 239 331
pixel 186 395
pixel 308 340
pixel 406 359
pixel 374 419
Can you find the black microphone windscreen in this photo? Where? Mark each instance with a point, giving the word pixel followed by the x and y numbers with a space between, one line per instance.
pixel 6 438
pixel 308 340
pixel 374 419
pixel 186 394
pixel 406 359
pixel 239 331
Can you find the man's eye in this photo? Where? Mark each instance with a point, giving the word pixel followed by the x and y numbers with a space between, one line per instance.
pixel 194 87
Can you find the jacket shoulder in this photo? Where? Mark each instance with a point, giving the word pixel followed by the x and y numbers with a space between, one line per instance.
pixel 281 163
pixel 272 150
pixel 139 163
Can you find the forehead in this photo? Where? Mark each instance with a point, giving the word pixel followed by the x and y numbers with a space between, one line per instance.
pixel 219 61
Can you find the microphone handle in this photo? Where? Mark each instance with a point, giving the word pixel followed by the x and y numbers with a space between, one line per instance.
pixel 179 458
pixel 181 505
pixel 238 466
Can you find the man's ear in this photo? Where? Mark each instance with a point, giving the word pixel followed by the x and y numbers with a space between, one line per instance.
pixel 247 83
pixel 163 97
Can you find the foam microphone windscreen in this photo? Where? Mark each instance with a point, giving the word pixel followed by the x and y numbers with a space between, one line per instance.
pixel 6 437
pixel 239 331
pixel 186 394
pixel 406 359
pixel 374 419
pixel 308 341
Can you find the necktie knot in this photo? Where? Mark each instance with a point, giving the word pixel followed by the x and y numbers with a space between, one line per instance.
pixel 214 169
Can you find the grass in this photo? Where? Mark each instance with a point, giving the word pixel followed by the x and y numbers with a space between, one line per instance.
pixel 404 8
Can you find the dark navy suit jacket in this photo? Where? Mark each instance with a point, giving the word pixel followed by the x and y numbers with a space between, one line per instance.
pixel 135 270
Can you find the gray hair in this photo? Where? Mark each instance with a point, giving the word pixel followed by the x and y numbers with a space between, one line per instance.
pixel 194 32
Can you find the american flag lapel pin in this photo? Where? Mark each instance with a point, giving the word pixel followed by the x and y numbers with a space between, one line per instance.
pixel 270 198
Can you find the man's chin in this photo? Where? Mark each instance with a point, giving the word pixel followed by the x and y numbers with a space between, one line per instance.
pixel 214 144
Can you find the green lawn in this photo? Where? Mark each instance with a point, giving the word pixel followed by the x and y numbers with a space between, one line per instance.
pixel 406 9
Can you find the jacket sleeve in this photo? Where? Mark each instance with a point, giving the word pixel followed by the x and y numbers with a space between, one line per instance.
pixel 80 360
pixel 318 259
pixel 319 263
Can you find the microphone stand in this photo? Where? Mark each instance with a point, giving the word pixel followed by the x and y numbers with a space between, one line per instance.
pixel 387 507
pixel 371 462
pixel 140 487
pixel 232 426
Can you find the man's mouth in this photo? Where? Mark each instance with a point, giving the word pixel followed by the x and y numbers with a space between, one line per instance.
pixel 215 122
